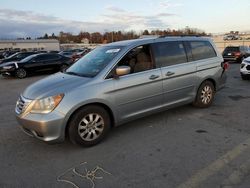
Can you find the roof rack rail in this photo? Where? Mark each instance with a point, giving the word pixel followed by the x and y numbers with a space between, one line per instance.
pixel 163 36
pixel 149 36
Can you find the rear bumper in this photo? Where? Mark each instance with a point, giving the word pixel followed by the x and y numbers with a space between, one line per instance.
pixel 7 71
pixel 231 58
pixel 222 81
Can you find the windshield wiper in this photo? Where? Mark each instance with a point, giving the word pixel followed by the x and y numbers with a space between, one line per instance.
pixel 72 73
pixel 76 74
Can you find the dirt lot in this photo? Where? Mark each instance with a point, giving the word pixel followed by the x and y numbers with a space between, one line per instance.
pixel 183 147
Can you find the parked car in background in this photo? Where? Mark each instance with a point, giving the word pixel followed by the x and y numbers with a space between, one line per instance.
pixel 72 52
pixel 231 37
pixel 17 56
pixel 68 54
pixel 53 51
pixel 235 53
pixel 1 55
pixel 79 55
pixel 35 63
pixel 245 69
pixel 9 53
pixel 119 82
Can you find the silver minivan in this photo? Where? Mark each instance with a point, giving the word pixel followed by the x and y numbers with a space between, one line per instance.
pixel 119 82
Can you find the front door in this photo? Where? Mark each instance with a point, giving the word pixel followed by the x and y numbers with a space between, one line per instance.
pixel 139 92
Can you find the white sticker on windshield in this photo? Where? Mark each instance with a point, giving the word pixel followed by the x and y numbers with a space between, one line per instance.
pixel 112 51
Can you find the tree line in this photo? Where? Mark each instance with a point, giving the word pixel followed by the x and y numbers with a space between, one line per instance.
pixel 107 37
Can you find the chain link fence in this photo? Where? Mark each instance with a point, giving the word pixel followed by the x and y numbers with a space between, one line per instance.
pixel 221 45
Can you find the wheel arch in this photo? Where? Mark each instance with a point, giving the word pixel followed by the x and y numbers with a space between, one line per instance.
pixel 210 80
pixel 106 107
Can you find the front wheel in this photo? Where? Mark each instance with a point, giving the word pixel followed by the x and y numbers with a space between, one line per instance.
pixel 244 77
pixel 21 73
pixel 205 95
pixel 89 125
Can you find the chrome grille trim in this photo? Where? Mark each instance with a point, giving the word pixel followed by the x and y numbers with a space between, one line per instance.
pixel 22 104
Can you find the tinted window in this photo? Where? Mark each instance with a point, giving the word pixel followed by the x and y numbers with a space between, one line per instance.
pixel 53 56
pixel 169 53
pixel 21 55
pixel 28 58
pixel 45 57
pixel 231 49
pixel 41 57
pixel 202 50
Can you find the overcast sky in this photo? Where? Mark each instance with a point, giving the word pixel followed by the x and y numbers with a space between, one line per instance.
pixel 22 18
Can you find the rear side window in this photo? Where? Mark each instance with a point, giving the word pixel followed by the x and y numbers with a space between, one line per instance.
pixel 53 57
pixel 169 53
pixel 41 57
pixel 45 57
pixel 202 50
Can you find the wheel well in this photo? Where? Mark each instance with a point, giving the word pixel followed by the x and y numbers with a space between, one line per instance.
pixel 213 82
pixel 97 104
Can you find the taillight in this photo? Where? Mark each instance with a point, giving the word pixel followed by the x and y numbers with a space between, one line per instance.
pixel 225 66
pixel 237 54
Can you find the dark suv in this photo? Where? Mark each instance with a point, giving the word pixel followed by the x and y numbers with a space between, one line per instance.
pixel 17 56
pixel 35 63
pixel 235 53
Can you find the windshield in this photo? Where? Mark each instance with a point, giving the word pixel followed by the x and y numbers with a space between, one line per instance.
pixel 13 55
pixel 232 49
pixel 28 58
pixel 94 62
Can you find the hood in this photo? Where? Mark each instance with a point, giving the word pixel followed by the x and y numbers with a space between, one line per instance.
pixel 58 83
pixel 8 63
pixel 247 60
pixel 6 60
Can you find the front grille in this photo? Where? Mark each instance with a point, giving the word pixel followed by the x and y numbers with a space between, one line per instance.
pixel 248 67
pixel 22 104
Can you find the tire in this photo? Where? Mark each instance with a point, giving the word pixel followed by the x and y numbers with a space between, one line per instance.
pixel 244 77
pixel 87 123
pixel 240 60
pixel 205 95
pixel 21 73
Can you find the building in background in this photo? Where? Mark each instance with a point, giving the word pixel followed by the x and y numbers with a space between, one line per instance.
pixel 30 45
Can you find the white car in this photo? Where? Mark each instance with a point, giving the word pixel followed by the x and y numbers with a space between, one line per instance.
pixel 245 69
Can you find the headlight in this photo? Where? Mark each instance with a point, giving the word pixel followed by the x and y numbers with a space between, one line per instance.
pixel 46 105
pixel 7 67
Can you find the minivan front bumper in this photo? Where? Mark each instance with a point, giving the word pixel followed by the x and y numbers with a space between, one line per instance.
pixel 45 127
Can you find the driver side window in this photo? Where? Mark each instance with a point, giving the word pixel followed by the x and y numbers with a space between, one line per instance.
pixel 138 59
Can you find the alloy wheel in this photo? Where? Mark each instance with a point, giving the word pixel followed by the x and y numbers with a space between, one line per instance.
pixel 206 94
pixel 91 127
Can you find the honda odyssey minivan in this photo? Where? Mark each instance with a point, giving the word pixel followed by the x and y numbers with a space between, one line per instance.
pixel 119 82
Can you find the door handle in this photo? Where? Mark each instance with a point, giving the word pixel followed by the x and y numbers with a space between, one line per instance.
pixel 153 77
pixel 169 73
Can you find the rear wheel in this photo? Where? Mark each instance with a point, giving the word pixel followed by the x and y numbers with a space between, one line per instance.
pixel 205 95
pixel 89 125
pixel 21 73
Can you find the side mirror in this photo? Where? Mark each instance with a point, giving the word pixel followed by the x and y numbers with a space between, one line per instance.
pixel 122 70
